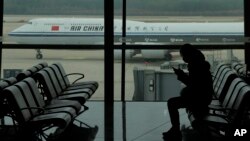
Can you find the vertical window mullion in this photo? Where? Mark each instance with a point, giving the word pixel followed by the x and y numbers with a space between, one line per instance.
pixel 109 70
pixel 123 49
pixel 1 37
pixel 123 70
pixel 247 33
pixel 1 44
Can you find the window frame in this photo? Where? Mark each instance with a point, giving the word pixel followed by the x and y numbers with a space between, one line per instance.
pixel 108 48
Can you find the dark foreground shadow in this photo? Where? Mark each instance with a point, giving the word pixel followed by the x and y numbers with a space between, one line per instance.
pixel 189 134
pixel 76 133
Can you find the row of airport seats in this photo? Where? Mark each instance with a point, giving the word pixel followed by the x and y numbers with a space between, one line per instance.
pixel 41 98
pixel 240 68
pixel 229 108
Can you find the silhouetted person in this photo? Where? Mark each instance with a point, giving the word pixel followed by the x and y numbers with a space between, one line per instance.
pixel 197 94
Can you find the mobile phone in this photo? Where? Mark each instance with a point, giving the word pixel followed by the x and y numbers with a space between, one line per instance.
pixel 174 68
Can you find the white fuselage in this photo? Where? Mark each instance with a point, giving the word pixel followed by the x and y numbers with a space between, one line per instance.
pixel 91 31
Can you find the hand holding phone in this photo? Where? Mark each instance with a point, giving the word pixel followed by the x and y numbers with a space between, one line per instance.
pixel 177 71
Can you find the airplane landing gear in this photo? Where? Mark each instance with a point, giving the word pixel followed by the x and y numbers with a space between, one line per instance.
pixel 39 54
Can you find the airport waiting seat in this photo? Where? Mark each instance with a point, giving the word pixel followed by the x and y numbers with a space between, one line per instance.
pixel 229 97
pixel 10 80
pixel 23 75
pixel 37 67
pixel 56 105
pixel 32 120
pixel 4 83
pixel 233 111
pixel 3 103
pixel 76 84
pixel 42 65
pixel 90 88
pixel 31 71
pixel 229 115
pixel 218 69
pixel 61 89
pixel 239 68
pixel 222 85
pixel 217 74
pixel 241 71
pixel 52 90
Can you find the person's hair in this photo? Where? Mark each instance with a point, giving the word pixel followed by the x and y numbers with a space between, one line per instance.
pixel 191 52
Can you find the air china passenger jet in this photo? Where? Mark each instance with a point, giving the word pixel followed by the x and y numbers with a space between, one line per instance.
pixel 91 31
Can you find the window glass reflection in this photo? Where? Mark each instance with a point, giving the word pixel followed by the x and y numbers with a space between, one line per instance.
pixel 53 22
pixel 185 21
pixel 89 63
pixel 153 79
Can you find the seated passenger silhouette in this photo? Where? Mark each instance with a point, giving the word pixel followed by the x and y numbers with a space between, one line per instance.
pixel 197 93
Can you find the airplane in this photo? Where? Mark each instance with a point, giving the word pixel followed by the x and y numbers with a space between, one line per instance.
pixel 91 31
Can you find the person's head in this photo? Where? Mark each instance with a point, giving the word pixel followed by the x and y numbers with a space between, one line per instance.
pixel 190 54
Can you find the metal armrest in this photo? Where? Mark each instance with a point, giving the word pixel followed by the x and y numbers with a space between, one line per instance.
pixel 215 109
pixel 219 108
pixel 40 110
pixel 82 76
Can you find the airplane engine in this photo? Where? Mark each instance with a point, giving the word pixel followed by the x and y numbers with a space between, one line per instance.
pixel 129 54
pixel 156 54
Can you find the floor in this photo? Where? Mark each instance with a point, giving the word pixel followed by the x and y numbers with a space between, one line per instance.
pixel 145 121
